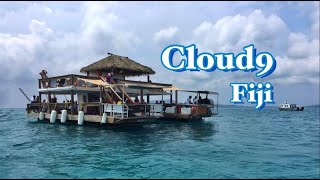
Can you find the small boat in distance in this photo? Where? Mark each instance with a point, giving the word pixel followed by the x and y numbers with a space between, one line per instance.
pixel 290 107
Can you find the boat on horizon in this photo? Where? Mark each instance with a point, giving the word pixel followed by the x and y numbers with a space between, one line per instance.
pixel 290 107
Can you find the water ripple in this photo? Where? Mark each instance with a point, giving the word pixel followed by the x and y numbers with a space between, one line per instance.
pixel 266 144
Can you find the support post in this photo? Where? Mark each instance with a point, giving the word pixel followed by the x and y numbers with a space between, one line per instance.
pixel 148 97
pixel 141 95
pixel 176 99
pixel 123 95
pixel 40 101
pixel 162 102
pixel 162 97
pixel 170 96
pixel 72 81
pixel 39 82
pixel 49 101
pixel 198 94
pixel 100 101
pixel 72 102
pixel 49 97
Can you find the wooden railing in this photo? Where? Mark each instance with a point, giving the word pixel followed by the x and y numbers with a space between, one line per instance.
pixel 65 80
pixel 131 110
pixel 48 107
pixel 114 110
pixel 194 109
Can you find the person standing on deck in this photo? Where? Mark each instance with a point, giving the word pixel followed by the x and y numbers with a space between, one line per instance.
pixel 108 78
pixel 188 102
pixel 206 100
pixel 195 100
pixel 136 100
pixel 43 75
pixel 33 99
pixel 201 101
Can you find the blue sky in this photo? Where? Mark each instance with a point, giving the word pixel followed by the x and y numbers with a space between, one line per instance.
pixel 62 37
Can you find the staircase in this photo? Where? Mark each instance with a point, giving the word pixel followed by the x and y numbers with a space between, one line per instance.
pixel 124 92
pixel 113 95
pixel 107 96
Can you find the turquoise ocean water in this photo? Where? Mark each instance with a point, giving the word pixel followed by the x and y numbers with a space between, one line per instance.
pixel 238 143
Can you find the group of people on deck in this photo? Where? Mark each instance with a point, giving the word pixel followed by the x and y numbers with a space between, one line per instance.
pixel 44 103
pixel 195 100
pixel 136 101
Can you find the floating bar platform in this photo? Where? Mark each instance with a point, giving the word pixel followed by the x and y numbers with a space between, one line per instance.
pixel 105 96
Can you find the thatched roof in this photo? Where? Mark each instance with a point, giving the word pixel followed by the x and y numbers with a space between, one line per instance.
pixel 120 65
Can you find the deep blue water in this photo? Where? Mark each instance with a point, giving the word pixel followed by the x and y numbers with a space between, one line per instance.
pixel 238 143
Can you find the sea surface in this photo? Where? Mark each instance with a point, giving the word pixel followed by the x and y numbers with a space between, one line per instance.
pixel 238 143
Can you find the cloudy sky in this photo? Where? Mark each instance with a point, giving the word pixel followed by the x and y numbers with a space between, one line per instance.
pixel 62 37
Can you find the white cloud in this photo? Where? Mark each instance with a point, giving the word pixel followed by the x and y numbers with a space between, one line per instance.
pixel 231 33
pixel 38 27
pixel 301 47
pixel 165 34
pixel 48 10
pixel 23 55
pixel 296 54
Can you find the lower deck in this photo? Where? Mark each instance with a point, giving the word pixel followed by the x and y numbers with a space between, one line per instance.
pixel 97 119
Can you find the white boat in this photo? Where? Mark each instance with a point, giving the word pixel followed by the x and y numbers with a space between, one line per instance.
pixel 290 107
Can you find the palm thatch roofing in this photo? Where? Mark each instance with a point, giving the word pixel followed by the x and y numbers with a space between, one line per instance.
pixel 119 65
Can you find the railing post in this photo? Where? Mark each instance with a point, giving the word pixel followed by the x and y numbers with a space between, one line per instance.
pixel 161 112
pixel 40 101
pixel 145 110
pixel 112 110
pixel 198 94
pixel 122 111
pixel 176 100
pixel 101 107
pixel 72 102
